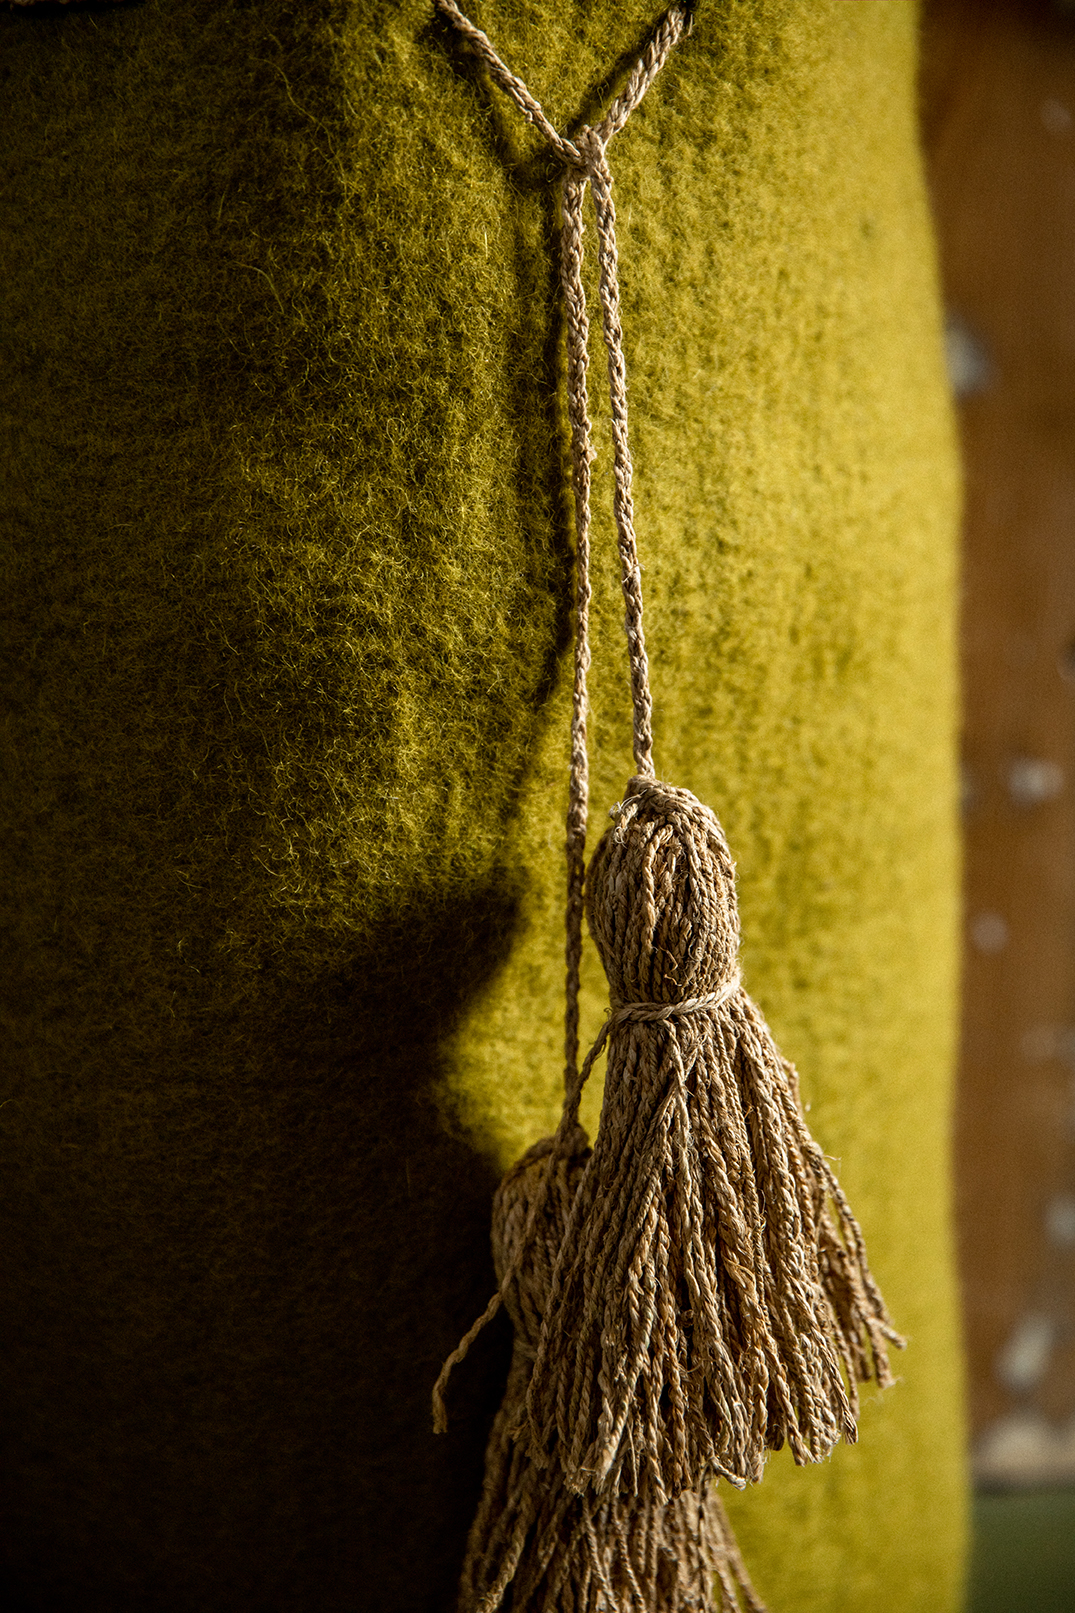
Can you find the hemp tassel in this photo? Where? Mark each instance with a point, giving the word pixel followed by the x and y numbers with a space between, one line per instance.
pixel 695 1292
pixel 535 1544
pixel 711 1293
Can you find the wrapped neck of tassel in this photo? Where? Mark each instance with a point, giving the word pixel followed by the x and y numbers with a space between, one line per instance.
pixel 695 1291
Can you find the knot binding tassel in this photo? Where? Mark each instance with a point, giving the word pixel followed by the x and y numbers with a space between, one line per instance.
pixel 712 1297
pixel 695 1292
pixel 536 1544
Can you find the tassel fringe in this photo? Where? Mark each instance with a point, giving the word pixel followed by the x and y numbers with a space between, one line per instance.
pixel 711 1298
pixel 537 1546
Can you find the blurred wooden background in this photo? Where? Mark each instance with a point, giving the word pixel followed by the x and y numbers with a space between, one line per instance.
pixel 999 121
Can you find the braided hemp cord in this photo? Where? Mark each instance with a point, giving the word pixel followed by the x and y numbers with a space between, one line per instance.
pixel 586 165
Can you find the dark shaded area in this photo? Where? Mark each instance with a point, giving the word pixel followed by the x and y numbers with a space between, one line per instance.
pixel 38 10
pixel 225 1309
pixel 255 783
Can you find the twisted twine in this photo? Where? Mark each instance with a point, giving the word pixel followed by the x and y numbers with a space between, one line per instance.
pixel 587 166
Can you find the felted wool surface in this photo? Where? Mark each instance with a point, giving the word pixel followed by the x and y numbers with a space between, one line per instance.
pixel 287 582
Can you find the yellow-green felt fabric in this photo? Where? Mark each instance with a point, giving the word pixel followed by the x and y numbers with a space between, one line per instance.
pixel 287 580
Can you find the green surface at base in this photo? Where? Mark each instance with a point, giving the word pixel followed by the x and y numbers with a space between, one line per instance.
pixel 1024 1553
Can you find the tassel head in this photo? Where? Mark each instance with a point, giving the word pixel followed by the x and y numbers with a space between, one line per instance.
pixel 660 898
pixel 531 1209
